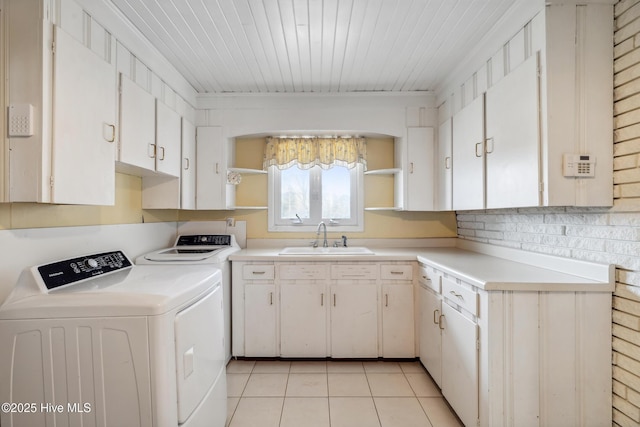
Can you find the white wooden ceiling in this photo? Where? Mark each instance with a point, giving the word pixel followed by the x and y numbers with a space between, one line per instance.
pixel 314 45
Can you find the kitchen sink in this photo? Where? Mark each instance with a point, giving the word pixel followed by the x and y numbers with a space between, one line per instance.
pixel 340 250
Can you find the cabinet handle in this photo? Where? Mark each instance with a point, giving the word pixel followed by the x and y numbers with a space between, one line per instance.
pixel 479 144
pixel 456 295
pixel 258 272
pixel 386 300
pixel 187 164
pixel 217 168
pixel 411 167
pixel 396 272
pixel 162 157
pixel 486 146
pixel 440 321
pixel 113 132
pixel 447 162
pixel 151 150
pixel 436 316
pixel 334 300
pixel 322 300
pixel 270 298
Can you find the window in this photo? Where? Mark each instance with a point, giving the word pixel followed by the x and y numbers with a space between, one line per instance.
pixel 300 198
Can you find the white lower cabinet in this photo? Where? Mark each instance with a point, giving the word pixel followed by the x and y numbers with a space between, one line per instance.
pixel 398 334
pixel 303 320
pixel 354 320
pixel 516 358
pixel 254 313
pixel 323 309
pixel 429 324
pixel 398 320
pixel 460 363
pixel 260 320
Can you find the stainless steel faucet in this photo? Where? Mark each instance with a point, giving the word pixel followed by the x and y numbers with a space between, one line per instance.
pixel 325 244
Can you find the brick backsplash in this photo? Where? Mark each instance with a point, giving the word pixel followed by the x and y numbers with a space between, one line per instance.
pixel 608 235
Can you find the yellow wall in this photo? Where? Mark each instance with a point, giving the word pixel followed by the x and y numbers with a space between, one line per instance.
pixel 127 210
pixel 252 191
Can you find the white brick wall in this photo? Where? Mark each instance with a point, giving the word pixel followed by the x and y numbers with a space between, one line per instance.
pixel 610 235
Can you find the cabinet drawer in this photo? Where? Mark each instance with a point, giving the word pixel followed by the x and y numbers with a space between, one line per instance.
pixel 354 271
pixel 258 272
pixel 429 278
pixel 396 272
pixel 464 297
pixel 309 271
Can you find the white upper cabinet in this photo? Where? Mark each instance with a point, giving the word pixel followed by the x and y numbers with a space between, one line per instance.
pixel 468 156
pixel 444 167
pixel 512 143
pixel 168 140
pixel 150 134
pixel 496 145
pixel 84 133
pixel 137 128
pixel 420 174
pixel 188 173
pixel 211 170
pixel 547 93
pixel 65 87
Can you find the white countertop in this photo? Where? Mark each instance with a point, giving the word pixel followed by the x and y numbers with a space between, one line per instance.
pixel 491 273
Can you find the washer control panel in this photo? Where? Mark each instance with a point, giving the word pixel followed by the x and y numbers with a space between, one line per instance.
pixel 66 272
pixel 204 240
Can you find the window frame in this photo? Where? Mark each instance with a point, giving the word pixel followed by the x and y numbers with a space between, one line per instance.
pixel 277 224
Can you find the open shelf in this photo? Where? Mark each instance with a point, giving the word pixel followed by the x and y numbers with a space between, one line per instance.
pixel 383 171
pixel 248 171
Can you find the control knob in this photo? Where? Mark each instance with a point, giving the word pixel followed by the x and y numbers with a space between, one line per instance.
pixel 92 263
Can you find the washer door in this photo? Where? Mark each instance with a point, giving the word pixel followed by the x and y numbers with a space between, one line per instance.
pixel 199 332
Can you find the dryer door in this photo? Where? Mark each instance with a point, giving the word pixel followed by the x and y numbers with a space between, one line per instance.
pixel 199 335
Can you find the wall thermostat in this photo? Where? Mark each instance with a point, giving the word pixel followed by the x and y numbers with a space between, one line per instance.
pixel 20 120
pixel 579 165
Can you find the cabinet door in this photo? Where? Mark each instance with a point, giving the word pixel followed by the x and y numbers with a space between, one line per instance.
pixel 468 155
pixel 460 364
pixel 260 320
pixel 84 110
pixel 398 335
pixel 168 140
pixel 211 168
pixel 513 140
pixel 303 320
pixel 420 176
pixel 354 320
pixel 430 336
pixel 444 166
pixel 188 173
pixel 137 126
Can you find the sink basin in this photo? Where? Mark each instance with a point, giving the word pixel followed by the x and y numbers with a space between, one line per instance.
pixel 303 250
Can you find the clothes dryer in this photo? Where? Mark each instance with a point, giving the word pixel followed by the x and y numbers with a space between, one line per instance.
pixel 202 249
pixel 95 340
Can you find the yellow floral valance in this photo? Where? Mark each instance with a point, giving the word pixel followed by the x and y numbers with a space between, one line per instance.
pixel 309 152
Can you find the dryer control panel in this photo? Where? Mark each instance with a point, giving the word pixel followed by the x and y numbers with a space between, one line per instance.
pixel 66 272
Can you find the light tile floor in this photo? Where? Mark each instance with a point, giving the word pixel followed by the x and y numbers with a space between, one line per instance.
pixel 334 394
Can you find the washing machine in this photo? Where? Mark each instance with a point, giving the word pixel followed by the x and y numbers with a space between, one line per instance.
pixel 97 341
pixel 202 249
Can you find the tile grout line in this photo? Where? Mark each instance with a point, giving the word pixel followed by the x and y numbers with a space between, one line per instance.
pixel 284 397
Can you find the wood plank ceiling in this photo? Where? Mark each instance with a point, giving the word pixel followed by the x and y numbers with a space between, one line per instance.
pixel 267 46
